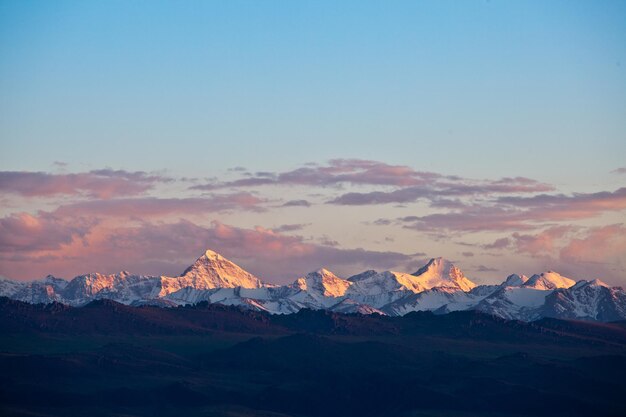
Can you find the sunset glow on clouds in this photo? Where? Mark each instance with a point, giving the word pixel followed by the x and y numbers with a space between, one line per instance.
pixel 130 227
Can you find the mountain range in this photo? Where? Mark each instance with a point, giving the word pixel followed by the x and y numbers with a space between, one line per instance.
pixel 439 286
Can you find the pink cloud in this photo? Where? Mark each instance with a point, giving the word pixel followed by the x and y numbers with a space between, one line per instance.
pixel 338 171
pixel 170 247
pixel 543 243
pixel 23 232
pixel 147 207
pixel 575 206
pixel 74 230
pixel 581 253
pixel 411 185
pixel 104 183
pixel 472 219
pixel 520 213
pixel 600 244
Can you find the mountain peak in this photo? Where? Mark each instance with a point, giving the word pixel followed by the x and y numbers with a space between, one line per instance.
pixel 599 283
pixel 324 282
pixel 593 283
pixel 438 264
pixel 440 272
pixel 514 280
pixel 212 270
pixel 323 272
pixel 209 254
pixel 549 280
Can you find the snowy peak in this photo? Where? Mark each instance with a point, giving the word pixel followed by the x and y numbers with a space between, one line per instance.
pixel 212 270
pixel 439 286
pixel 549 281
pixel 592 283
pixel 211 255
pixel 515 280
pixel 435 266
pixel 439 272
pixel 598 283
pixel 324 282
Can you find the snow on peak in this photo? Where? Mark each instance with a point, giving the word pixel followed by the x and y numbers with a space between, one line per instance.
pixel 593 283
pixel 439 265
pixel 549 280
pixel 324 282
pixel 324 272
pixel 439 272
pixel 515 280
pixel 599 283
pixel 209 254
pixel 212 270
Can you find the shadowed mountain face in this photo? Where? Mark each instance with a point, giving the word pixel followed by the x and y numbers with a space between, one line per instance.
pixel 107 358
pixel 438 286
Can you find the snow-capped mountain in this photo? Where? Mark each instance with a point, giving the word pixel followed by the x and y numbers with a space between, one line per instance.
pixel 514 280
pixel 209 271
pixel 590 300
pixel 44 291
pixel 323 283
pixel 548 281
pixel 438 286
pixel 439 272
pixel 123 287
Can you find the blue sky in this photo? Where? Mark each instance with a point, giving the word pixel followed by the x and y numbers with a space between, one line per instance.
pixel 508 85
pixel 477 89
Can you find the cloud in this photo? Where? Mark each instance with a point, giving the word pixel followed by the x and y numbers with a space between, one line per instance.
pixel 483 268
pixel 338 171
pixel 583 253
pixel 23 232
pixel 403 195
pixel 297 203
pixel 70 227
pixel 621 170
pixel 519 213
pixel 543 243
pixel 575 206
pixel 605 244
pixel 244 182
pixel 498 244
pixel 290 227
pixel 150 207
pixel 103 183
pixel 435 190
pixel 156 248
pixel 472 219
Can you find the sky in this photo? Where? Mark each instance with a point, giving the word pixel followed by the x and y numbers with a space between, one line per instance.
pixel 290 136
